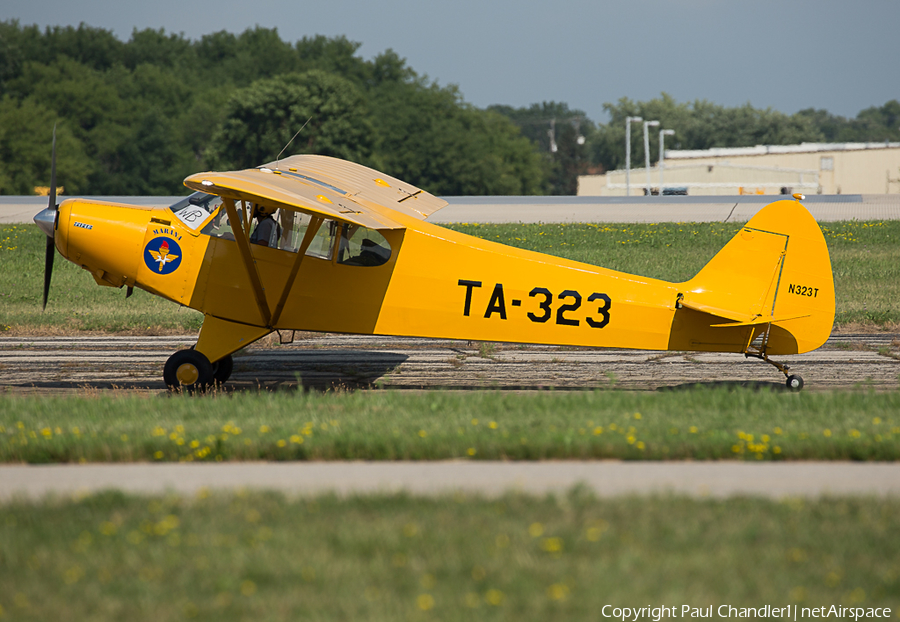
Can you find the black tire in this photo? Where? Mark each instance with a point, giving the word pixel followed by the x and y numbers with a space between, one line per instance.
pixel 222 369
pixel 188 370
pixel 794 383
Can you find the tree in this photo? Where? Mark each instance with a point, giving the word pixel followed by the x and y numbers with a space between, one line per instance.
pixel 261 119
pixel 154 47
pixel 429 137
pixel 25 147
pixel 558 134
pixel 879 123
pixel 697 125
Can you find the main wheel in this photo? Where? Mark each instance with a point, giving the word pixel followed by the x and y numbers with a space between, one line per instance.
pixel 794 382
pixel 188 370
pixel 222 369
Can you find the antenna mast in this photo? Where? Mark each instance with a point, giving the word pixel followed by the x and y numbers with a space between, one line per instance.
pixel 278 157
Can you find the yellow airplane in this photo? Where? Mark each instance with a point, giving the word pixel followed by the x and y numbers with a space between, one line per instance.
pixel 339 247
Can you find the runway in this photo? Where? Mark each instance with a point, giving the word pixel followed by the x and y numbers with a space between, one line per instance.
pixel 59 365
pixel 86 365
pixel 552 209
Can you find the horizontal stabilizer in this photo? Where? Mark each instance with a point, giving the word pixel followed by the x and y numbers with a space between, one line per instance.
pixel 728 314
pixel 739 319
pixel 759 321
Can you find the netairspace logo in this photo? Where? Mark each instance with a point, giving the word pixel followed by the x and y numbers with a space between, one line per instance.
pixel 636 614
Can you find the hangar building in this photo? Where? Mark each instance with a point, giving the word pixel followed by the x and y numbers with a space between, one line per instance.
pixel 811 168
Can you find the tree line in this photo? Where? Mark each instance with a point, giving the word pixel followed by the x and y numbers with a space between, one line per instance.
pixel 136 117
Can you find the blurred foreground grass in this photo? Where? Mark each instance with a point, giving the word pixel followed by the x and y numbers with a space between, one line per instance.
pixel 259 556
pixel 865 258
pixel 389 425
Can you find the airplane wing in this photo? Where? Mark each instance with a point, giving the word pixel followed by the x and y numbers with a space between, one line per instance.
pixel 325 187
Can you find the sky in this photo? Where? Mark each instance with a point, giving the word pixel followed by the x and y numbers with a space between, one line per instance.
pixel 787 55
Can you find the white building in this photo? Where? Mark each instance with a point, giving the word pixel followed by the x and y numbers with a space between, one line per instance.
pixel 811 168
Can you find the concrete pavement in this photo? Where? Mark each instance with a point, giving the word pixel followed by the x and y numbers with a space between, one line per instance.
pixel 772 480
pixel 578 209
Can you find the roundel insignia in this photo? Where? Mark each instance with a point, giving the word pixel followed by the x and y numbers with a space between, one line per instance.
pixel 162 255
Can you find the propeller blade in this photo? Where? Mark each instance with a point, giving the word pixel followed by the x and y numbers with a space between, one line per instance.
pixel 53 172
pixel 48 269
pixel 50 251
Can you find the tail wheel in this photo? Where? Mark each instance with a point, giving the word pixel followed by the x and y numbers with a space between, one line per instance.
pixel 222 369
pixel 188 370
pixel 794 382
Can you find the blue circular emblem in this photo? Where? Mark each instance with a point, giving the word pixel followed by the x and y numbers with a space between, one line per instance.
pixel 162 255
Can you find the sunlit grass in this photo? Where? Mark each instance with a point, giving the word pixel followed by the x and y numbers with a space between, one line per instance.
pixel 76 302
pixel 865 259
pixel 258 556
pixel 385 425
pixel 865 256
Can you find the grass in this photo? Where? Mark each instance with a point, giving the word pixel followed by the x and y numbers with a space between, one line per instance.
pixel 260 556
pixel 76 302
pixel 865 256
pixel 865 259
pixel 702 424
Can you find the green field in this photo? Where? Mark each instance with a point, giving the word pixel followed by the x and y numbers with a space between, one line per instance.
pixel 262 556
pixel 258 556
pixel 865 259
pixel 699 424
pixel 76 303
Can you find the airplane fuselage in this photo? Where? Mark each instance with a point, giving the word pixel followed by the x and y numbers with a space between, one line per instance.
pixel 437 283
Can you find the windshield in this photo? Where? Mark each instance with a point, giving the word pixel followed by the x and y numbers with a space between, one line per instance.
pixel 195 209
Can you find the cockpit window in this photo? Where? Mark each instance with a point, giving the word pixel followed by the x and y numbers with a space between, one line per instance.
pixel 285 229
pixel 362 247
pixel 195 209
pixel 293 226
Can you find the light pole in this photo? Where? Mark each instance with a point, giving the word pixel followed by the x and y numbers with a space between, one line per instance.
pixel 628 121
pixel 662 151
pixel 647 150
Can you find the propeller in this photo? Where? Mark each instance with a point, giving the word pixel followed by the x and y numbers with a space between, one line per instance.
pixel 46 220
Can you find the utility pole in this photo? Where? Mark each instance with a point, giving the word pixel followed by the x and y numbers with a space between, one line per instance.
pixel 662 152
pixel 628 121
pixel 647 150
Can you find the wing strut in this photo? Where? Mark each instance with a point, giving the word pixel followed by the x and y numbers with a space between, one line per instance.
pixel 314 224
pixel 243 242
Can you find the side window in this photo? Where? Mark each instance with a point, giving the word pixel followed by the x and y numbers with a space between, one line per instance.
pixel 285 231
pixel 219 227
pixel 293 229
pixel 362 247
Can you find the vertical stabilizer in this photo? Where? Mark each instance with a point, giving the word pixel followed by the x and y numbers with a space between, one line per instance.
pixel 774 274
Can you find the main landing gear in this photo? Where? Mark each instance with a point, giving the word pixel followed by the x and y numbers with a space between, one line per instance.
pixel 191 371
